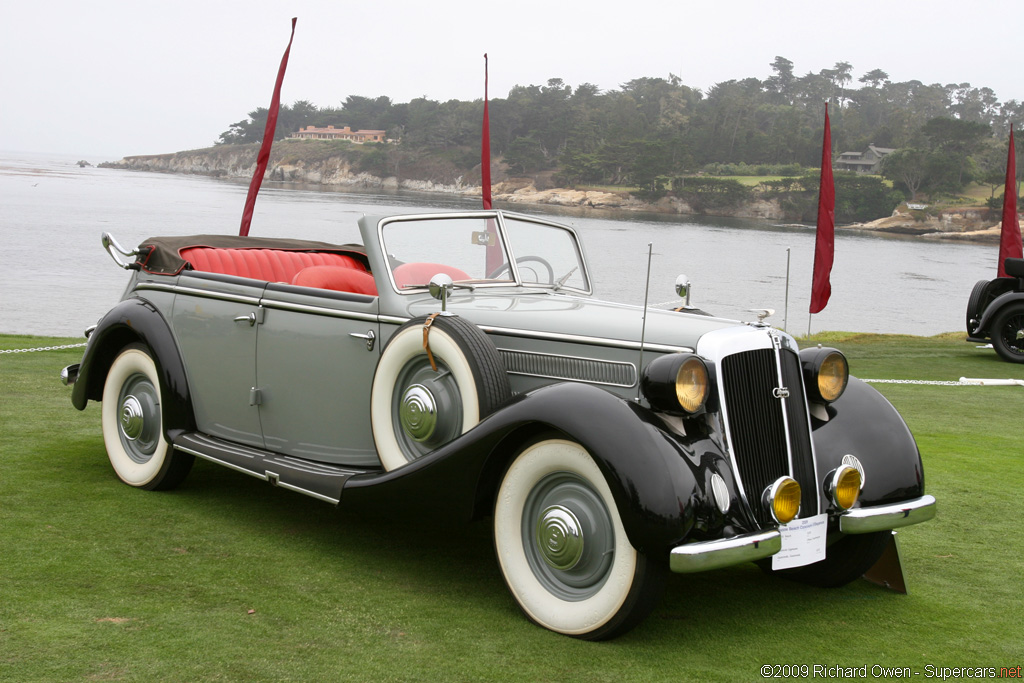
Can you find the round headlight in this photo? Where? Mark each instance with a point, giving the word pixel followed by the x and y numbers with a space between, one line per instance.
pixel 692 384
pixel 783 499
pixel 826 373
pixel 677 383
pixel 845 487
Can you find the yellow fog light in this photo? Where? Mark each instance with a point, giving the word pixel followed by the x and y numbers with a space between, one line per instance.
pixel 783 499
pixel 845 487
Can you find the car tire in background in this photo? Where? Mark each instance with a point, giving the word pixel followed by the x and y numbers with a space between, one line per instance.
pixel 976 305
pixel 132 422
pixel 414 408
pixel 1007 333
pixel 562 547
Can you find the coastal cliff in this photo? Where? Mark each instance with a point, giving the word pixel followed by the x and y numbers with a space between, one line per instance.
pixel 239 162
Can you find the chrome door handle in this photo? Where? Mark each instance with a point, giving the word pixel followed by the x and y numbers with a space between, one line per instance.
pixel 251 319
pixel 370 337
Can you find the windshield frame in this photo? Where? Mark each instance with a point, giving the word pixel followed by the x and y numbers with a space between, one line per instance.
pixel 508 248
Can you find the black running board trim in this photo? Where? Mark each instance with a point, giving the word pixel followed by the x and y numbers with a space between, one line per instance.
pixel 319 480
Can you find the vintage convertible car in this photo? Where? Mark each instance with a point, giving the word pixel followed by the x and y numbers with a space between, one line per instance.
pixel 995 312
pixel 460 359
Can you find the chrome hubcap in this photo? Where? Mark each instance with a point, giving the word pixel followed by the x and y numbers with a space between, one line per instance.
pixel 559 538
pixel 132 418
pixel 418 413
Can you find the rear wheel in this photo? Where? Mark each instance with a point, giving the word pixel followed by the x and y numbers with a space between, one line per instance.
pixel 1008 333
pixel 562 548
pixel 132 422
pixel 976 305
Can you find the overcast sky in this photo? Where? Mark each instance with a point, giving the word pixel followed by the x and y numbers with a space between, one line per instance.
pixel 105 79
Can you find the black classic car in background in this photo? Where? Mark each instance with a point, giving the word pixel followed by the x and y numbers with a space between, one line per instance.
pixel 460 358
pixel 995 312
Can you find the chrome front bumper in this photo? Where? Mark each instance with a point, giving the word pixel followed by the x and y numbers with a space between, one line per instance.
pixel 882 517
pixel 705 555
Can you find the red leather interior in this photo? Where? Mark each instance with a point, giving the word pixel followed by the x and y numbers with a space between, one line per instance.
pixel 338 278
pixel 274 265
pixel 420 273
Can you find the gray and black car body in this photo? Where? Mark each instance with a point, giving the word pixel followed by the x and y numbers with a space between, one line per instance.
pixel 460 359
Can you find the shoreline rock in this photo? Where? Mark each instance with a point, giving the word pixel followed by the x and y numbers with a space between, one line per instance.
pixel 239 162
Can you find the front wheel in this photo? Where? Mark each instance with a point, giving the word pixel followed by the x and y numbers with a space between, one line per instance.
pixel 1008 333
pixel 562 548
pixel 132 422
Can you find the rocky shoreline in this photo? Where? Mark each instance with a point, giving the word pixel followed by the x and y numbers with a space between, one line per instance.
pixel 968 224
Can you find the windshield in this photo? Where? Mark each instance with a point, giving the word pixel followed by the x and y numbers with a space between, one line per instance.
pixel 483 250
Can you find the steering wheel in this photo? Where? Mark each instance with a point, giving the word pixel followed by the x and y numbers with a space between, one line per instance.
pixel 523 259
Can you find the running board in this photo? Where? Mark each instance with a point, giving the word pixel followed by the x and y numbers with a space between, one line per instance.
pixel 319 480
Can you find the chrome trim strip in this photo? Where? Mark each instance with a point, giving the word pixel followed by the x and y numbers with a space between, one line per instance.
pixel 266 303
pixel 311 494
pixel 725 552
pixel 557 336
pixel 318 310
pixel 203 293
pixel 588 370
pixel 580 339
pixel 226 463
pixel 884 517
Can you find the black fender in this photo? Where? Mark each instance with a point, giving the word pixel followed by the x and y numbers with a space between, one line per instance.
pixel 992 310
pixel 863 423
pixel 653 474
pixel 131 321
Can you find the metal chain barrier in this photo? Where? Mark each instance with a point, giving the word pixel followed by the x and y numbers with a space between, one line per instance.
pixel 940 383
pixel 44 348
pixel 962 382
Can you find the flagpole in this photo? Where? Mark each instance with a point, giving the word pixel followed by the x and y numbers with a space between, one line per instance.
pixel 263 157
pixel 1009 231
pixel 824 242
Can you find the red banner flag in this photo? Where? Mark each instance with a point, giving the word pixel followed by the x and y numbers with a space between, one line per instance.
pixel 824 244
pixel 268 139
pixel 1009 238
pixel 485 148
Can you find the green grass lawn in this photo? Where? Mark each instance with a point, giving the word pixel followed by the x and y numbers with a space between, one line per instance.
pixel 227 578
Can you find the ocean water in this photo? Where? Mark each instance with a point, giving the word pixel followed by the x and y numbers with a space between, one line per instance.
pixel 56 279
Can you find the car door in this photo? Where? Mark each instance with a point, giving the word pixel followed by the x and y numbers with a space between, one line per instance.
pixel 215 321
pixel 315 360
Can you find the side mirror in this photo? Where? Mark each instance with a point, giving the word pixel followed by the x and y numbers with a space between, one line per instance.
pixel 440 287
pixel 683 288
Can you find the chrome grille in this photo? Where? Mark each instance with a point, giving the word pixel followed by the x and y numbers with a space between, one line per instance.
pixel 758 426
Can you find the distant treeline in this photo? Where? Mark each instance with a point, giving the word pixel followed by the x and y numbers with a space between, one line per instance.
pixel 651 131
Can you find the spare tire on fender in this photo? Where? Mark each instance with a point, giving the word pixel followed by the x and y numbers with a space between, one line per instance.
pixel 415 408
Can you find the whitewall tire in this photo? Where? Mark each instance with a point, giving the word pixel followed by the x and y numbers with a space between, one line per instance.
pixel 132 421
pixel 562 547
pixel 414 408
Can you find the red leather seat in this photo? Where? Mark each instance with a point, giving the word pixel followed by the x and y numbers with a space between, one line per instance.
pixel 337 278
pixel 417 273
pixel 274 265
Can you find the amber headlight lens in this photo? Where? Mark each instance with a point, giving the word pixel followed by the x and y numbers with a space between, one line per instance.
pixel 845 487
pixel 826 373
pixel 783 499
pixel 677 383
pixel 692 384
